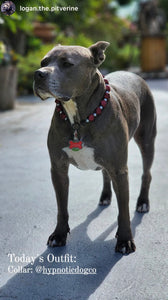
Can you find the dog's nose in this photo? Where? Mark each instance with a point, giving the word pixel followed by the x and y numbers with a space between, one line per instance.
pixel 40 74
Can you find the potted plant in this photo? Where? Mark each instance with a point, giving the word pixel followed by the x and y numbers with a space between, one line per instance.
pixel 152 23
pixel 8 77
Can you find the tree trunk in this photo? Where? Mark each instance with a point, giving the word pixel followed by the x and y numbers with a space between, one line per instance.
pixel 8 84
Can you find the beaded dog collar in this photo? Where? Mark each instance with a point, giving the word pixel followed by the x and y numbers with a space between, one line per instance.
pixel 97 112
pixel 76 144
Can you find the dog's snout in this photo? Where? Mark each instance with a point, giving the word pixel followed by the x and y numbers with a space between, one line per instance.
pixel 40 74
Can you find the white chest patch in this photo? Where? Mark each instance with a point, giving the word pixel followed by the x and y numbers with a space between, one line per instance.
pixel 84 158
pixel 71 109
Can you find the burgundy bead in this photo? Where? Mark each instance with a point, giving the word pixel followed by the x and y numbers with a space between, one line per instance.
pixel 98 111
pixel 107 95
pixel 58 109
pixel 57 101
pixel 63 116
pixel 106 81
pixel 91 118
pixel 107 88
pixel 103 103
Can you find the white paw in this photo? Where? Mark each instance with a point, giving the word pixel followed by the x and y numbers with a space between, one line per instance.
pixel 123 250
pixel 143 208
pixel 54 243
pixel 105 202
pixel 125 247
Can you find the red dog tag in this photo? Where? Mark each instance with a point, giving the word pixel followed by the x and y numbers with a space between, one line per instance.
pixel 75 146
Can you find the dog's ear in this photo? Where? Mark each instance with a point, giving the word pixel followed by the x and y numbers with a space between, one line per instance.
pixel 97 51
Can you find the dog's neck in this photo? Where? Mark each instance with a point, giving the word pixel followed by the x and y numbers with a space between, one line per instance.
pixel 72 111
pixel 78 108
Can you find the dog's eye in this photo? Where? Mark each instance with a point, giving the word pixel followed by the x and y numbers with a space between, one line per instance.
pixel 66 64
pixel 44 62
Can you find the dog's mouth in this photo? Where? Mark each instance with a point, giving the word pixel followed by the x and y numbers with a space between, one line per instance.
pixel 42 94
pixel 45 94
pixel 63 99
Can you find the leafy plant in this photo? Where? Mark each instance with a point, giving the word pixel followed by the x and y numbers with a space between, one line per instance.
pixel 28 65
pixel 7 56
pixel 81 39
pixel 95 20
pixel 128 54
pixel 164 5
pixel 16 21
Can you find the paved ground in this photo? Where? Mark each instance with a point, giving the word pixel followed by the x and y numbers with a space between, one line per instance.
pixel 28 214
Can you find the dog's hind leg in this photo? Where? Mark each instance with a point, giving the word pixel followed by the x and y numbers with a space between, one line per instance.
pixel 106 194
pixel 145 138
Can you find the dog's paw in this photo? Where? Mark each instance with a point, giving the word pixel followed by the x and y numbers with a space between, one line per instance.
pixel 142 205
pixel 104 202
pixel 105 198
pixel 125 247
pixel 142 208
pixel 57 240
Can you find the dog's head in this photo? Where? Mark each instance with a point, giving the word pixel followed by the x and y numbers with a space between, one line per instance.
pixel 66 71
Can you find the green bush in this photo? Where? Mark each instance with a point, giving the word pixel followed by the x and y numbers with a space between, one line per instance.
pixel 128 55
pixel 81 39
pixel 28 65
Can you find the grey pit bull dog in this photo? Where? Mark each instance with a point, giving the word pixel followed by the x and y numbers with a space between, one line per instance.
pixel 92 124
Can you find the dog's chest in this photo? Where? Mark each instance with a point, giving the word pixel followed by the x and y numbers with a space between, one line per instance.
pixel 83 159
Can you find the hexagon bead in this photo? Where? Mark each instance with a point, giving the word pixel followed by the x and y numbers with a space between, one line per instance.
pixel 58 109
pixel 106 81
pixel 63 116
pixel 107 95
pixel 91 118
pixel 103 103
pixel 98 111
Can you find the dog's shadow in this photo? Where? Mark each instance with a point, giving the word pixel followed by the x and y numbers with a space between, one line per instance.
pixel 98 254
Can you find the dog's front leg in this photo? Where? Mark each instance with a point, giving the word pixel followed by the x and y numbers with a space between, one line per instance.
pixel 61 185
pixel 125 243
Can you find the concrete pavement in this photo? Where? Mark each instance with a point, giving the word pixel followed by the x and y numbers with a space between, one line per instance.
pixel 28 213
